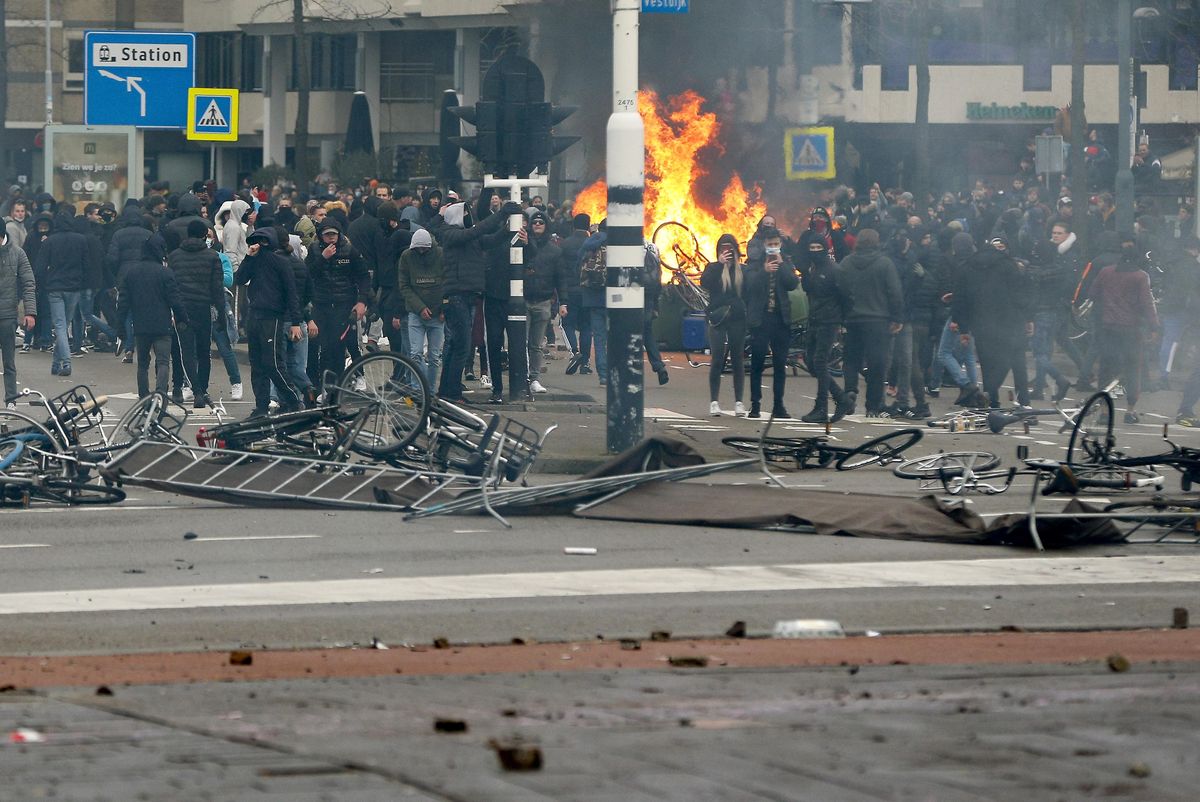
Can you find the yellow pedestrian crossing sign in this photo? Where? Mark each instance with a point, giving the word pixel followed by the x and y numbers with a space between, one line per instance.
pixel 808 153
pixel 213 114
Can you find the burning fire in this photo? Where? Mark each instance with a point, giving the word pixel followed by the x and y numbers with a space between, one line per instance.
pixel 676 133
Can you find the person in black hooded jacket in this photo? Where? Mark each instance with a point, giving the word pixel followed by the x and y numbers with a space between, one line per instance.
pixel 874 306
pixel 341 289
pixel 770 276
pixel 39 232
pixel 149 294
pixel 993 304
pixel 272 319
pixel 62 258
pixel 199 274
pixel 188 211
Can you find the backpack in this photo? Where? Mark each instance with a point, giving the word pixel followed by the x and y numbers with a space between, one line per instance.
pixel 593 274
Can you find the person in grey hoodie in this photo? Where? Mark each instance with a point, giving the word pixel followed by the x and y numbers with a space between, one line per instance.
pixel 874 304
pixel 16 287
pixel 422 282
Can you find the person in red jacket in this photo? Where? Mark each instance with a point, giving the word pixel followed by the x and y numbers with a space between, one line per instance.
pixel 1127 318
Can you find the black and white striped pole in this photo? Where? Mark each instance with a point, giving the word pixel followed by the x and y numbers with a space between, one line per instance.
pixel 518 321
pixel 625 292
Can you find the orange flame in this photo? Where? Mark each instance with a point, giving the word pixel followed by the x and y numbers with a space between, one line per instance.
pixel 676 134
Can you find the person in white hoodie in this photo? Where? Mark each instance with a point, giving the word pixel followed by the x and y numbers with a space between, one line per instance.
pixel 234 218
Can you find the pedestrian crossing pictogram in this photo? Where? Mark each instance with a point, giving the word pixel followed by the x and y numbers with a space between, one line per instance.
pixel 809 153
pixel 213 114
pixel 213 118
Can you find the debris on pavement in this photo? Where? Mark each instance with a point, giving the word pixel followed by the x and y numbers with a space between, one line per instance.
pixel 449 725
pixel 579 550
pixel 25 735
pixel 630 645
pixel 517 756
pixel 190 536
pixel 688 661
pixel 376 643
pixel 1117 663
pixel 104 690
pixel 441 643
pixel 1179 618
pixel 241 658
pixel 808 628
pixel 660 635
pixel 1139 770
pixel 736 630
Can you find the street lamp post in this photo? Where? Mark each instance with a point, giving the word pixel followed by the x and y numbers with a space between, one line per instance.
pixel 1125 101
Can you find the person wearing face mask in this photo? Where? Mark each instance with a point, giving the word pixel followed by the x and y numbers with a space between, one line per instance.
pixel 768 317
pixel 199 275
pixel 820 227
pixel 724 281
pixel 1127 316
pixel 273 318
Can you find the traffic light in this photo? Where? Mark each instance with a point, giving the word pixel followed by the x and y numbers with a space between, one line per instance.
pixel 484 115
pixel 513 122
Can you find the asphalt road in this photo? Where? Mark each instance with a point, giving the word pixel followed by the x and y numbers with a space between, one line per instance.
pixel 141 544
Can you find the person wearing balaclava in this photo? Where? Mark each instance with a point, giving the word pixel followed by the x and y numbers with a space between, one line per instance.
pixel 1127 318
pixel 16 287
pixel 820 227
pixel 955 354
pixel 63 260
pixel 272 319
pixel 993 304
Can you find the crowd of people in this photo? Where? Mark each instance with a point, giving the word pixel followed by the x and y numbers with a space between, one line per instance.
pixel 961 290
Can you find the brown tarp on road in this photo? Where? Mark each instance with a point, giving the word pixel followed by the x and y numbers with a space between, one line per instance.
pixel 857 514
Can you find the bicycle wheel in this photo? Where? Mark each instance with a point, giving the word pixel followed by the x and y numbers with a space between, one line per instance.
pixel 689 292
pixel 773 448
pixel 391 392
pixel 1092 436
pixel 670 236
pixel 882 449
pixel 66 491
pixel 37 441
pixel 946 463
pixel 138 421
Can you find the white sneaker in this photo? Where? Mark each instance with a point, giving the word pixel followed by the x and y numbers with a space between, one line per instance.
pixel 535 386
pixel 485 381
pixel 739 408
pixel 360 384
pixel 187 393
pixel 714 408
pixel 11 406
pixel 235 392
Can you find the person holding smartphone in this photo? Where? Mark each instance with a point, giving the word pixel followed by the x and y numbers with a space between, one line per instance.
pixel 769 279
pixel 724 281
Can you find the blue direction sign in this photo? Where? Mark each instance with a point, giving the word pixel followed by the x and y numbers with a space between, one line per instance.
pixel 665 6
pixel 138 78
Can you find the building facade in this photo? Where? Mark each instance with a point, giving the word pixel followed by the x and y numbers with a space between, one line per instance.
pixel 999 69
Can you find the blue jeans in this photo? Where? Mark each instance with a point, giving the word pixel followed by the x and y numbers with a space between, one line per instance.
pixel 62 309
pixel 599 320
pixel 1046 328
pixel 1173 326
pixel 956 359
pixel 225 348
pixel 88 312
pixel 425 339
pixel 296 367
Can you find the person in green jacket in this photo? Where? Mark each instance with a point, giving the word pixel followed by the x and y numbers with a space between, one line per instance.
pixel 422 280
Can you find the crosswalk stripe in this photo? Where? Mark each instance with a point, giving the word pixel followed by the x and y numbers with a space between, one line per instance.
pixel 1019 572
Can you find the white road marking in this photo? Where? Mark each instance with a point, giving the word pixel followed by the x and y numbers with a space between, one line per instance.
pixel 112 508
pixel 251 537
pixel 1008 572
pixel 25 546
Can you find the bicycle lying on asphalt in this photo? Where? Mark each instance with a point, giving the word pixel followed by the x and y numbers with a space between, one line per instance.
pixel 819 452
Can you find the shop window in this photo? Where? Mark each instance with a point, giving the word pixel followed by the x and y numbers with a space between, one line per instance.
pixel 73 68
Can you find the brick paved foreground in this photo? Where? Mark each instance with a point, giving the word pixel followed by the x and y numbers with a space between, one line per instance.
pixel 892 732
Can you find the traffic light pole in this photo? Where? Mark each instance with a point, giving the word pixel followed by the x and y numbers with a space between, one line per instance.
pixel 516 327
pixel 625 291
